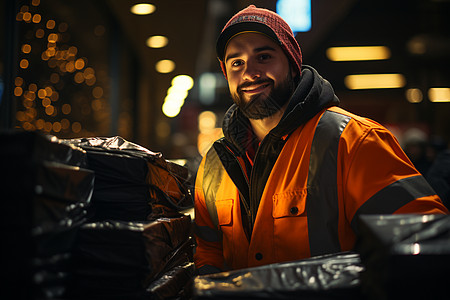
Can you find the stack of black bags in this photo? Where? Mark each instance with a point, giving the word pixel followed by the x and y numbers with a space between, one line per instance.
pixel 137 243
pixel 46 189
pixel 406 256
pixel 92 218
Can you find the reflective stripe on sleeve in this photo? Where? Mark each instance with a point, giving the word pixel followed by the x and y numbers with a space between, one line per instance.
pixel 394 196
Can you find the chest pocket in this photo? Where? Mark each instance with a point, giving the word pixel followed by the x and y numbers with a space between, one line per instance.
pixel 289 204
pixel 225 211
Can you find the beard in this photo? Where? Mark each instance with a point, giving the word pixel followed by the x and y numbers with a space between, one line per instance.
pixel 262 106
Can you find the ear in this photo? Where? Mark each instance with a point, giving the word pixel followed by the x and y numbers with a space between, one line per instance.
pixel 224 71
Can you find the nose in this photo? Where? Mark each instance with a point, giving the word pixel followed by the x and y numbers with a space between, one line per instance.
pixel 251 71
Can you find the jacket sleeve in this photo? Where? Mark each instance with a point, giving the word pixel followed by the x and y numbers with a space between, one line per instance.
pixel 379 178
pixel 208 255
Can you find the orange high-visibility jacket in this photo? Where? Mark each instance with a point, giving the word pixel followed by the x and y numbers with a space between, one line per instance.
pixel 311 177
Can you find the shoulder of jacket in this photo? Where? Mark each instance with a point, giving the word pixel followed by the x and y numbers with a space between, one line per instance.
pixel 358 120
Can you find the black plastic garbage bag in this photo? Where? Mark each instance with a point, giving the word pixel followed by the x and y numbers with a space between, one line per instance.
pixel 176 283
pixel 120 191
pixel 406 256
pixel 333 276
pixel 115 258
pixel 45 190
pixel 132 182
pixel 34 146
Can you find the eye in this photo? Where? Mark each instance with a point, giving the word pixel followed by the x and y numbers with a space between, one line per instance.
pixel 264 56
pixel 236 63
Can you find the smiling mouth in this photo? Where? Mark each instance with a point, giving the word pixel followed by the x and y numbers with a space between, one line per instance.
pixel 255 89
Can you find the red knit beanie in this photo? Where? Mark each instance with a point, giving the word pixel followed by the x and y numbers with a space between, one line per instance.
pixel 266 22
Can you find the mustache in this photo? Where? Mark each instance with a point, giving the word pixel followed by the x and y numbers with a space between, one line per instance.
pixel 259 81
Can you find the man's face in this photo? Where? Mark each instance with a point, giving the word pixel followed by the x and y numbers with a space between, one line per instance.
pixel 259 75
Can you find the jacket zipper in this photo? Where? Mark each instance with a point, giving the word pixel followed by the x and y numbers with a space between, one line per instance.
pixel 253 188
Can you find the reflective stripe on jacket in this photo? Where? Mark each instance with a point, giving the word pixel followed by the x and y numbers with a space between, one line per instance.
pixel 328 171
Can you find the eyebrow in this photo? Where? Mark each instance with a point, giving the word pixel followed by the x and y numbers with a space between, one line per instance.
pixel 256 50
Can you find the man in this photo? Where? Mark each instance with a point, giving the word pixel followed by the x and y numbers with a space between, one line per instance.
pixel 294 171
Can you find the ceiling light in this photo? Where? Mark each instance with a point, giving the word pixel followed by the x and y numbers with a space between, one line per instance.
pixel 439 94
pixel 165 66
pixel 170 109
pixel 143 9
pixel 358 53
pixel 183 82
pixel 414 95
pixel 374 81
pixel 176 95
pixel 157 41
pixel 176 98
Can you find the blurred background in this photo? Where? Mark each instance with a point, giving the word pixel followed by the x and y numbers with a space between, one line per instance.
pixel 147 70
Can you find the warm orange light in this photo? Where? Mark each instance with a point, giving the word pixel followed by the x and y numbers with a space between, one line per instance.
pixel 52 38
pixel 26 48
pixel 374 81
pixel 66 109
pixel 27 17
pixel 91 81
pixel 143 9
pixel 439 94
pixel 33 87
pixel 88 73
pixel 18 81
pixel 18 91
pixel 358 53
pixel 48 91
pixel 414 95
pixel 40 33
pixel 50 24
pixel 37 18
pixel 57 127
pixel 65 124
pixel 165 66
pixel 157 41
pixel 48 126
pixel 42 93
pixel 76 127
pixel 49 110
pixel 72 50
pixel 78 78
pixel 46 102
pixel 79 64
pixel 97 92
pixel 24 63
pixel 70 66
pixel 40 123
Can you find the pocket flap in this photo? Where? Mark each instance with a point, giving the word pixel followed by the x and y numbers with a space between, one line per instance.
pixel 224 211
pixel 289 204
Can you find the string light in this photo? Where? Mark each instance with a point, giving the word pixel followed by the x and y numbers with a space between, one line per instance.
pixel 39 102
